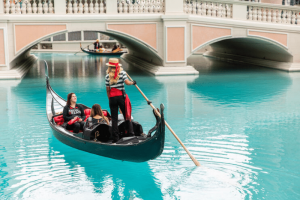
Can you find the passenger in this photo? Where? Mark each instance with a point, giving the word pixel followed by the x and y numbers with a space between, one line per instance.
pixel 114 48
pixel 96 116
pixel 118 49
pixel 74 112
pixel 96 45
pixel 102 49
pixel 114 81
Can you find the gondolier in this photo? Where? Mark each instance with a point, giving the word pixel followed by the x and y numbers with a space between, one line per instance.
pixel 96 45
pixel 114 81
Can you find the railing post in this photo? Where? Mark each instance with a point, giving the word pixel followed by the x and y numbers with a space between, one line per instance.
pixel 1 7
pixel 239 12
pixel 111 7
pixel 173 6
pixel 60 7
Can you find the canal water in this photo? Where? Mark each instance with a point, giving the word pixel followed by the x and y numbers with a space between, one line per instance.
pixel 241 122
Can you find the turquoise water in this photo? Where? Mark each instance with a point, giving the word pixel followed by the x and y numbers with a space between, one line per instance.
pixel 241 122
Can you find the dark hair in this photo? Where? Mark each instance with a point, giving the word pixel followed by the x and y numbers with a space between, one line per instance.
pixel 101 46
pixel 96 110
pixel 114 48
pixel 69 98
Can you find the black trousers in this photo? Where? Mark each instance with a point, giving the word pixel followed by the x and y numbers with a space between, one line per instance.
pixel 76 127
pixel 114 104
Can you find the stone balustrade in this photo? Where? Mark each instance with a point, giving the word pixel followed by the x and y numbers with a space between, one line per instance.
pixel 29 7
pixel 208 9
pixel 141 6
pixel 273 14
pixel 85 7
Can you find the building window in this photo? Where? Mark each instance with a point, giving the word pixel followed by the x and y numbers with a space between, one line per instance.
pixel 74 36
pixel 47 40
pixel 61 37
pixel 90 35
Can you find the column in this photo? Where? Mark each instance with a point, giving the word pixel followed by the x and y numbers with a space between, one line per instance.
pixel 239 12
pixel 111 7
pixel 1 7
pixel 60 7
pixel 173 7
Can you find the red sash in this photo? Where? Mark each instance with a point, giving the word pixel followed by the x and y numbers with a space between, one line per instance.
pixel 72 121
pixel 114 92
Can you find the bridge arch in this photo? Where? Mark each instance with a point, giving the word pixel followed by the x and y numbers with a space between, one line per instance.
pixel 25 40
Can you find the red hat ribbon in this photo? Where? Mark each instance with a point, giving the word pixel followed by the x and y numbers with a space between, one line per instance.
pixel 117 68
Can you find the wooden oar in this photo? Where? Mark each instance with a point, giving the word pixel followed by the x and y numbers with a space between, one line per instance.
pixel 158 114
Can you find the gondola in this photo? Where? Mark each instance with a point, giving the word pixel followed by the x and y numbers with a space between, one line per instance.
pixel 133 149
pixel 92 52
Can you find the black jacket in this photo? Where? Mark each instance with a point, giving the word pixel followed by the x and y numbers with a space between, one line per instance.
pixel 69 112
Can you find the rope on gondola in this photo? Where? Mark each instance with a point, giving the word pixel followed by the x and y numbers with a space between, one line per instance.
pixel 158 114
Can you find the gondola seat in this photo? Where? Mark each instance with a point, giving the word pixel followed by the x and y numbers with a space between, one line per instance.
pixel 59 120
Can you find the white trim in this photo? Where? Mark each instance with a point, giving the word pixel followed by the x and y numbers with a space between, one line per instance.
pixel 6 50
pixel 210 41
pixel 145 43
pixel 166 44
pixel 269 39
pixel 17 53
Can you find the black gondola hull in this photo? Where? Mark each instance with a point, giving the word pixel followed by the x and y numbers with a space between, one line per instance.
pixel 145 150
pixel 102 54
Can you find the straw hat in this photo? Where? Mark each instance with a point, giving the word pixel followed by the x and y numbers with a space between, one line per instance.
pixel 97 40
pixel 113 60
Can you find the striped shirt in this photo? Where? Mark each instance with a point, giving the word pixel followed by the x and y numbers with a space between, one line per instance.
pixel 120 83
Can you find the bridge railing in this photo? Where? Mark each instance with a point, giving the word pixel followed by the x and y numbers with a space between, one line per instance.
pixel 28 7
pixel 141 7
pixel 244 10
pixel 273 13
pixel 219 9
pixel 86 7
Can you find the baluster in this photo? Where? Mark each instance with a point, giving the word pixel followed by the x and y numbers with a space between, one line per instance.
pixel 80 7
pixel 120 7
pixel 228 6
pixel 101 6
pixel 12 8
pixel 75 7
pixel 274 16
pixel 269 18
pixel 50 6
pixel 70 7
pixel 298 19
pixel 278 16
pixel 130 7
pixel 7 7
pixel 220 10
pixel 214 10
pixel 34 7
pixel 224 11
pixel 136 8
pixel 162 6
pixel 254 13
pixel 151 7
pixel 24 7
pixel 142 7
pixel 91 8
pixel 289 17
pixel 259 14
pixel 198 9
pixel 86 7
pixel 250 13
pixel 283 16
pixel 125 7
pixel 18 8
pixel 45 7
pixel 157 6
pixel 208 6
pixel 146 6
pixel 190 8
pixel 29 8
pixel 185 7
pixel 293 17
pixel 203 8
pixel 40 7
pixel 264 13
pixel 195 8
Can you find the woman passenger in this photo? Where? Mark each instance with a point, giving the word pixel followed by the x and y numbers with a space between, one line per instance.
pixel 114 48
pixel 73 111
pixel 96 116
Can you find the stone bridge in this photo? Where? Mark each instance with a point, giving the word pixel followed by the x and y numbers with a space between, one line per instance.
pixel 160 34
